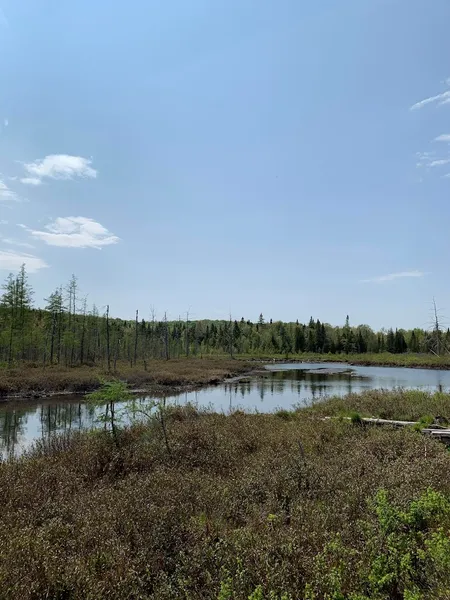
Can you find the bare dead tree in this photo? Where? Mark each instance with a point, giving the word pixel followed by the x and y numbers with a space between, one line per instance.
pixel 187 333
pixel 166 336
pixel 108 348
pixel 438 345
pixel 136 338
pixel 152 332
pixel 83 330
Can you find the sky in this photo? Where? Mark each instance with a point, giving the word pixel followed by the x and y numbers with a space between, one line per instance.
pixel 237 157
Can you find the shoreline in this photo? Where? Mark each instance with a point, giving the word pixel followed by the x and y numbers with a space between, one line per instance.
pixel 237 370
pixel 170 378
pixel 353 362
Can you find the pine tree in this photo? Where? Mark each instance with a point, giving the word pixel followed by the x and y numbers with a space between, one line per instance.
pixel 413 346
pixel 16 302
pixel 347 336
pixel 55 309
pixel 299 340
pixel 390 341
pixel 25 301
pixel 361 343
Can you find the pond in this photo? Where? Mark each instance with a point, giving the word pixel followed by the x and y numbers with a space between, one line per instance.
pixel 280 386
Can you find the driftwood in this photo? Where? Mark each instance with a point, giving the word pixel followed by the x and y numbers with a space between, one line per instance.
pixel 435 431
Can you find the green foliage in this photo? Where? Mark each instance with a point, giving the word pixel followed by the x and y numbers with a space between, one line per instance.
pixel 66 333
pixel 355 418
pixel 108 395
pixel 110 391
pixel 286 415
pixel 405 544
pixel 424 422
pixel 226 590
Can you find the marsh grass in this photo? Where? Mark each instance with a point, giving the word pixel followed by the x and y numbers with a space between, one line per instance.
pixel 403 405
pixel 160 374
pixel 383 359
pixel 262 506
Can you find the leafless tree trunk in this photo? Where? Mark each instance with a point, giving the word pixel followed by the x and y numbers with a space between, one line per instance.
pixel 83 332
pixel 231 337
pixel 108 351
pixel 136 338
pixel 187 334
pixel 166 336
pixel 116 352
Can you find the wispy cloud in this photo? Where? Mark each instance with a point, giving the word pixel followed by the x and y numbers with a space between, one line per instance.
pixel 75 232
pixel 13 242
pixel 31 181
pixel 439 162
pixel 12 261
pixel 439 99
pixel 393 276
pixel 430 160
pixel 6 193
pixel 58 166
pixel 3 222
pixel 444 137
pixel 5 122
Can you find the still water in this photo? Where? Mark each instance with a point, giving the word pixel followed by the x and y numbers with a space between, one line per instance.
pixel 281 386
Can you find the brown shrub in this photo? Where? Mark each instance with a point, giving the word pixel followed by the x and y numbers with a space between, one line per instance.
pixel 252 497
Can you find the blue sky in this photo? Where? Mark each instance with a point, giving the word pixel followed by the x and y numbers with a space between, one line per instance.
pixel 246 156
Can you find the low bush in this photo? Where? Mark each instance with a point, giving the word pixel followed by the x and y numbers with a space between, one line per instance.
pixel 243 506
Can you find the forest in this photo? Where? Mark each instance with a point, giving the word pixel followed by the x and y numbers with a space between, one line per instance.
pixel 65 331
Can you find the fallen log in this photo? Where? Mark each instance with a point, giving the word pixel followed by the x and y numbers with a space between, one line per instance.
pixel 435 431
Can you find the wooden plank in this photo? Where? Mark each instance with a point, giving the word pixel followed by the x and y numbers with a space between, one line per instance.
pixel 435 431
pixel 375 421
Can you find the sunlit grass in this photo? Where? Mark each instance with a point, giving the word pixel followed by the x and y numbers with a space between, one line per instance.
pixel 245 504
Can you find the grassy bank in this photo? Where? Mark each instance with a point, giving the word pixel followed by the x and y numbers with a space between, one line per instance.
pixel 385 359
pixel 266 507
pixel 407 405
pixel 160 375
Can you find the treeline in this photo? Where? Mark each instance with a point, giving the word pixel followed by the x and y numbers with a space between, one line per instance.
pixel 67 332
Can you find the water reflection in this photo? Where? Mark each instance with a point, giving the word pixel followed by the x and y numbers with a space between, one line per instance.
pixel 282 386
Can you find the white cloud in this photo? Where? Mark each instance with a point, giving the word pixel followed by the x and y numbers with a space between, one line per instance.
pixel 59 166
pixel 12 242
pixel 393 276
pixel 430 160
pixel 3 222
pixel 6 193
pixel 445 137
pixel 75 232
pixel 6 122
pixel 31 181
pixel 12 261
pixel 439 162
pixel 440 99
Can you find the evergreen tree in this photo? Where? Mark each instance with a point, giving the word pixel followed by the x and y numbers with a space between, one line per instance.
pixel 361 343
pixel 390 341
pixel 399 342
pixel 299 340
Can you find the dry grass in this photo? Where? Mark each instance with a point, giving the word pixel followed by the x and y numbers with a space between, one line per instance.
pixel 29 380
pixel 406 405
pixel 242 501
pixel 383 359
